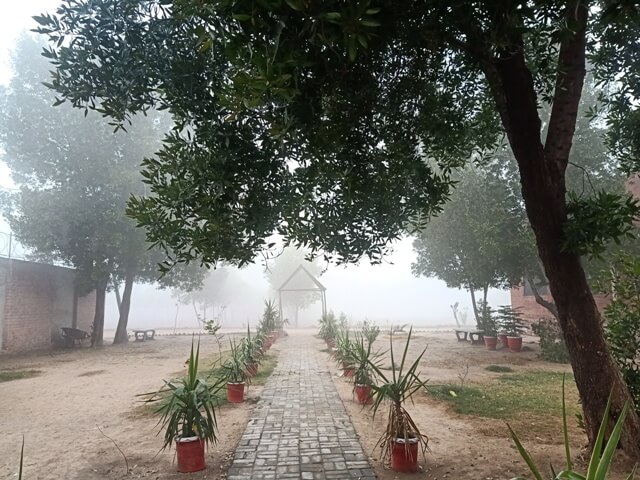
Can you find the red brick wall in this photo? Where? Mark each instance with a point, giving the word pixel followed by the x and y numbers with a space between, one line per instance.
pixel 532 312
pixel 38 300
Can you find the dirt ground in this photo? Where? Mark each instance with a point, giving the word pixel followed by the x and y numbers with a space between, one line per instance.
pixel 81 391
pixel 463 447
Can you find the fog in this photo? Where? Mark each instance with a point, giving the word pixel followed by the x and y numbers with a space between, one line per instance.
pixel 386 293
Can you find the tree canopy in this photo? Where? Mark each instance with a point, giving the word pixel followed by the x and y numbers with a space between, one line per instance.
pixel 337 125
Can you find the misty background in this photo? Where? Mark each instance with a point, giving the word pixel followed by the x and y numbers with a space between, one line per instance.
pixel 386 293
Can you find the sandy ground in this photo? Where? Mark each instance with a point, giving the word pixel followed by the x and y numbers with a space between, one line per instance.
pixel 79 390
pixel 463 447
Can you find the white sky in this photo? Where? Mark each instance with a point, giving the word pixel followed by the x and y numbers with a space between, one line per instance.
pixel 381 293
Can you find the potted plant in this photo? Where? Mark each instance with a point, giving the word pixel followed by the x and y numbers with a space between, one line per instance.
pixel 402 437
pixel 488 325
pixel 343 353
pixel 234 371
pixel 329 329
pixel 251 353
pixel 363 375
pixel 511 321
pixel 187 415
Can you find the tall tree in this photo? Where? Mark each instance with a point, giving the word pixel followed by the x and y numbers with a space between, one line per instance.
pixel 337 124
pixel 75 176
pixel 481 239
pixel 283 267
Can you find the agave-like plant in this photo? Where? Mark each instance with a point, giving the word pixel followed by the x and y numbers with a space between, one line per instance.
pixel 186 406
pixel 234 368
pixel 397 389
pixel 362 355
pixel 600 457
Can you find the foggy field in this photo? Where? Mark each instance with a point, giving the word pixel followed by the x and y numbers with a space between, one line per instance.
pixel 77 390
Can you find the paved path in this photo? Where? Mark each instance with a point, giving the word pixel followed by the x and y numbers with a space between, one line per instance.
pixel 300 428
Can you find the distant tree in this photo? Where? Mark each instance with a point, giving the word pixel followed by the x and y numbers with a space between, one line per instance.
pixel 75 177
pixel 481 239
pixel 284 266
pixel 212 293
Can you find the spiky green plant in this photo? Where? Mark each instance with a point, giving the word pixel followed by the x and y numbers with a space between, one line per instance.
pixel 328 326
pixel 394 391
pixel 600 457
pixel 234 368
pixel 251 348
pixel 362 355
pixel 186 406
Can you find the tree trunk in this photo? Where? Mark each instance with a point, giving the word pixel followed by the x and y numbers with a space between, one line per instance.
pixel 296 313
pixel 542 175
pixel 97 334
pixel 125 306
pixel 116 290
pixel 474 305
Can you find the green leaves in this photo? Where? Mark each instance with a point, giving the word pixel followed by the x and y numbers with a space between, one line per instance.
pixel 595 221
pixel 600 459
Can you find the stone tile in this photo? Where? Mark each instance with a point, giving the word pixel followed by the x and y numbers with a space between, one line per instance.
pixel 300 428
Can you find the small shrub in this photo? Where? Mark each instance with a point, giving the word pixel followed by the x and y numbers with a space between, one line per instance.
pixel 552 346
pixel 499 368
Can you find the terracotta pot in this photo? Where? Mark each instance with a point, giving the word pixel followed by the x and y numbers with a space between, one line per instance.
pixel 515 343
pixel 404 455
pixel 363 394
pixel 491 342
pixel 235 392
pixel 349 371
pixel 190 453
pixel 252 369
pixel 503 339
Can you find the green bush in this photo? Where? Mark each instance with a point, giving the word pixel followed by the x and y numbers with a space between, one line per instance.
pixel 623 321
pixel 552 346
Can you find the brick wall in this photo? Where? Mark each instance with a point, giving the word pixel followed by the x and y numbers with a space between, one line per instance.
pixel 532 311
pixel 38 300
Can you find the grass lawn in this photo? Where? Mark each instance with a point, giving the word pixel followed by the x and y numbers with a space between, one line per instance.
pixel 530 401
pixel 8 375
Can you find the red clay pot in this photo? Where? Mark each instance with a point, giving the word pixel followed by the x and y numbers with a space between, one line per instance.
pixel 363 394
pixel 515 343
pixel 252 369
pixel 404 455
pixel 190 453
pixel 349 371
pixel 503 339
pixel 491 342
pixel 235 392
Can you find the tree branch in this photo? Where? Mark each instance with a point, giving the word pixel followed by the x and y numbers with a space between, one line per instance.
pixel 550 306
pixel 568 89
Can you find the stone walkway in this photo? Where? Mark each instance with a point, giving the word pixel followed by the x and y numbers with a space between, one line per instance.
pixel 300 428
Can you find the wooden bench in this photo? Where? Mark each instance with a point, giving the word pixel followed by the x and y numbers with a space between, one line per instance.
pixel 476 337
pixel 73 336
pixel 142 335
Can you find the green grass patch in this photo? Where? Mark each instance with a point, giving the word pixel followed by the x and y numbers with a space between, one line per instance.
pixel 535 392
pixel 499 368
pixel 9 375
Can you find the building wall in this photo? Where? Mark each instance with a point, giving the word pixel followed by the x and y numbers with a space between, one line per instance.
pixel 532 311
pixel 38 300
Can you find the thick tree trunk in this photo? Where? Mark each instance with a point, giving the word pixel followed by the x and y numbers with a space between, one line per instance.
pixel 116 290
pixel 97 334
pixel 125 306
pixel 542 173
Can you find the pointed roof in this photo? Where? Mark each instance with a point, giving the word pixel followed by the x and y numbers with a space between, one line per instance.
pixel 316 282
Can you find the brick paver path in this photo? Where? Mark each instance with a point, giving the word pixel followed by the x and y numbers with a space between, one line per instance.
pixel 300 428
